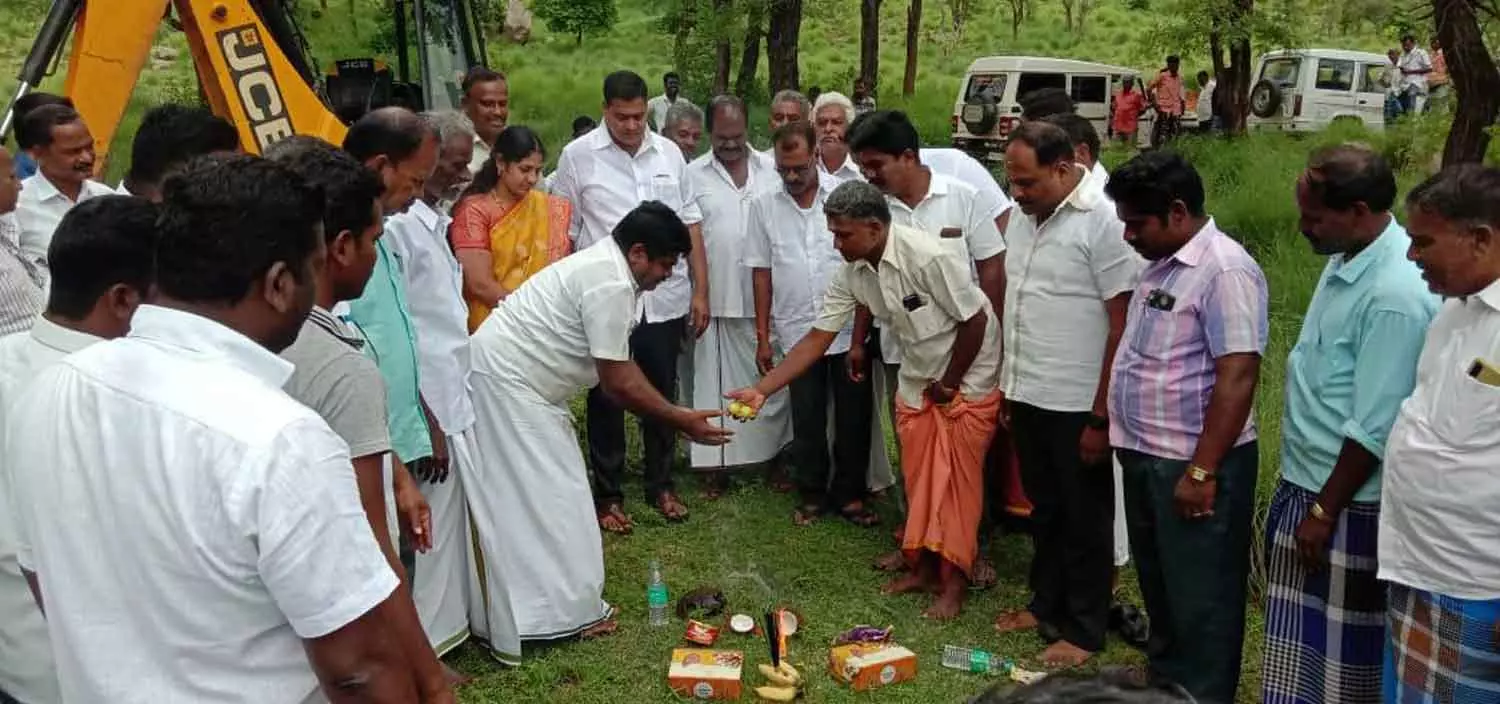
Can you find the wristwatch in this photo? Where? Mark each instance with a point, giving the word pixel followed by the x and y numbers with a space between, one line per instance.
pixel 1097 422
pixel 1199 474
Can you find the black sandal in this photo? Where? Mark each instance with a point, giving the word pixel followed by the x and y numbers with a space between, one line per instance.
pixel 857 513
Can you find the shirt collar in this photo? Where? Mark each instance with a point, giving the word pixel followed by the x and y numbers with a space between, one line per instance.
pixel 1350 270
pixel 1490 295
pixel 335 327
pixel 1192 252
pixel 617 255
pixel 425 215
pixel 63 339
pixel 848 165
pixel 600 140
pixel 41 188
pixel 894 238
pixel 1087 195
pixel 208 338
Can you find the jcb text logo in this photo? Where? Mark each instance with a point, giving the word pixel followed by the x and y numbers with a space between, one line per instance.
pixel 255 84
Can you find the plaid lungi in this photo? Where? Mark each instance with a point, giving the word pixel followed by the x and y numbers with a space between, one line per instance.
pixel 1325 630
pixel 1442 650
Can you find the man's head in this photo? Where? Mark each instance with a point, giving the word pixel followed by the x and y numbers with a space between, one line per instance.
pixel 169 136
pixel 684 126
pixel 27 103
pixel 1454 222
pixel 671 85
pixel 788 106
pixel 1127 84
pixel 1394 56
pixel 652 238
pixel 727 129
pixel 486 101
pixel 1344 198
pixel 455 151
pixel 1408 42
pixel 1174 64
pixel 1082 134
pixel 352 217
pixel 1159 197
pixel 102 261
pixel 1046 101
pixel 625 109
pixel 1202 79
pixel 55 136
pixel 861 88
pixel 241 239
pixel 1040 167
pixel 10 186
pixel 1436 45
pixel 582 125
pixel 831 117
pixel 886 147
pixel 795 158
pixel 860 220
pixel 397 145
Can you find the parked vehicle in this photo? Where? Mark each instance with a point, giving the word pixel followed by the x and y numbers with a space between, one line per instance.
pixel 1305 90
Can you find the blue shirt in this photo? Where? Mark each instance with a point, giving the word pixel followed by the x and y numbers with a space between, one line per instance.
pixel 1355 360
pixel 382 315
pixel 23 164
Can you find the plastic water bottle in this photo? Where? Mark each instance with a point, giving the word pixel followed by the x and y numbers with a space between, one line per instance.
pixel 975 660
pixel 656 595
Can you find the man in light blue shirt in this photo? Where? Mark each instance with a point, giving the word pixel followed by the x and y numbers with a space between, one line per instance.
pixel 1354 363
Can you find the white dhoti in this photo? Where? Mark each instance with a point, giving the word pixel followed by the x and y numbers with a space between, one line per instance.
pixel 534 513
pixel 882 473
pixel 1122 536
pixel 724 360
pixel 442 580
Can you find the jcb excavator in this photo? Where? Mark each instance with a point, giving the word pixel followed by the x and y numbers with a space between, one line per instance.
pixel 252 63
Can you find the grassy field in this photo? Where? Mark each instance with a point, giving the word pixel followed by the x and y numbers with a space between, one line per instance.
pixel 745 542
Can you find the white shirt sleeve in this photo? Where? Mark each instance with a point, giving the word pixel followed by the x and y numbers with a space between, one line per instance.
pixel 564 184
pixel 608 310
pixel 1115 266
pixel 983 238
pixel 951 288
pixel 317 556
pixel 690 213
pixel 758 237
pixel 838 304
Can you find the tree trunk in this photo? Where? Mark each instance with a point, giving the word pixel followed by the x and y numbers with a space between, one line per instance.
pixel 1068 14
pixel 1474 80
pixel 722 50
pixel 1017 14
pixel 781 43
pixel 750 59
pixel 869 42
pixel 1083 15
pixel 1233 93
pixel 913 29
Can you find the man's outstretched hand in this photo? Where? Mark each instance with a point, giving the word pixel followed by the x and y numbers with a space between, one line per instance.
pixel 696 425
pixel 748 396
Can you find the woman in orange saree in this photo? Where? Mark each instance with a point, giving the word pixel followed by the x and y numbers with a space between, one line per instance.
pixel 504 230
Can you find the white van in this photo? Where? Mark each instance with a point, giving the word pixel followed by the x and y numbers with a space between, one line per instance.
pixel 988 104
pixel 1305 90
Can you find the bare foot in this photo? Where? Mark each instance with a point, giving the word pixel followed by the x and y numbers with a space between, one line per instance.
pixel 892 562
pixel 949 603
pixel 906 584
pixel 1015 621
pixel 1064 654
pixel 599 630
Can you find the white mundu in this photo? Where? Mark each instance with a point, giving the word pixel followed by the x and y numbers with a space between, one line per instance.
pixel 535 514
pixel 724 356
pixel 223 526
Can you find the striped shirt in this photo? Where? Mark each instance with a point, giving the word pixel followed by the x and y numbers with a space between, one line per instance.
pixel 21 282
pixel 1206 301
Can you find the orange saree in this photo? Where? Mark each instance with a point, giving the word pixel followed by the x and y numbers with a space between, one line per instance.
pixel 521 240
pixel 942 460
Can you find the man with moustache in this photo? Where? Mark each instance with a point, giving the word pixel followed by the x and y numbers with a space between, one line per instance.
pixel 789 106
pixel 684 126
pixel 58 140
pixel 725 182
pixel 604 175
pixel 486 103
pixel 658 107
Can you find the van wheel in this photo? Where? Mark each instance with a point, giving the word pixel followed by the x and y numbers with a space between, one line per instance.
pixel 1265 99
pixel 980 114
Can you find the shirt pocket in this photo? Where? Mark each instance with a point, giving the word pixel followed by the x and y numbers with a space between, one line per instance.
pixel 1467 416
pixel 926 322
pixel 1329 364
pixel 1156 332
pixel 665 188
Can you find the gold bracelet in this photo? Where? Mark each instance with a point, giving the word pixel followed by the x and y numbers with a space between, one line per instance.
pixel 1199 474
pixel 1319 513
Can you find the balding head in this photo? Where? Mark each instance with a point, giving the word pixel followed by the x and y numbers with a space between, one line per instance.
pixel 399 146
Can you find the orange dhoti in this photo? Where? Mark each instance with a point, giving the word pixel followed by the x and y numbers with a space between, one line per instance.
pixel 942 460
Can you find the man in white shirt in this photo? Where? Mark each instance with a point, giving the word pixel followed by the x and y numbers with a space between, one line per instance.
pixel 486 103
pixel 605 175
pixel 1437 543
pixel 657 107
pixel 791 254
pixel 54 136
pixel 434 285
pixel 1205 107
pixel 228 513
pixel 102 271
pixel 947 401
pixel 684 126
pixel 832 115
pixel 1065 308
pixel 170 135
pixel 789 106
pixel 726 181
pixel 566 329
pixel 1414 64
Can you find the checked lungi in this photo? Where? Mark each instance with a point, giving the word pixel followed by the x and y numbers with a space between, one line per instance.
pixel 1441 650
pixel 1325 630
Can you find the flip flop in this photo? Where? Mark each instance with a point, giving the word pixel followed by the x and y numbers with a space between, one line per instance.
pixel 612 519
pixel 670 507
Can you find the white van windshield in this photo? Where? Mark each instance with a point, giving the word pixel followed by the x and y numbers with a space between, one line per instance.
pixel 986 85
pixel 1281 71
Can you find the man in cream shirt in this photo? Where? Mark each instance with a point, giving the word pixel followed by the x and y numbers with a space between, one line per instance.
pixel 56 137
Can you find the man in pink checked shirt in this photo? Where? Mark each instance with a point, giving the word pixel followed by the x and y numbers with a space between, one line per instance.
pixel 1180 399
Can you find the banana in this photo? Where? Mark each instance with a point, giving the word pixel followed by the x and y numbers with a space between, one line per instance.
pixel 777 677
pixel 790 672
pixel 776 694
